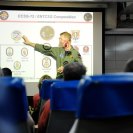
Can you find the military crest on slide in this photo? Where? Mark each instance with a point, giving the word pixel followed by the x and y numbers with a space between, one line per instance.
pixel 9 51
pixel 87 16
pixel 16 35
pixel 24 52
pixel 17 65
pixel 46 62
pixel 47 32
pixel 4 15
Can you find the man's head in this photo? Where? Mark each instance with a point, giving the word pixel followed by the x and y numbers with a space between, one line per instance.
pixel 41 80
pixel 65 39
pixel 74 71
pixel 7 72
pixel 129 66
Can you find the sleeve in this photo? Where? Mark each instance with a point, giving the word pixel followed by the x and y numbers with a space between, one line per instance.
pixel 47 50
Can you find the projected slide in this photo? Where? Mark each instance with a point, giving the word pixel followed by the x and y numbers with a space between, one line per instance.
pixel 43 27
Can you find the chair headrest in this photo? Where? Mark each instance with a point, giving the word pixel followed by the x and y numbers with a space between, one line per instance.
pixel 45 90
pixel 64 95
pixel 108 95
pixel 13 99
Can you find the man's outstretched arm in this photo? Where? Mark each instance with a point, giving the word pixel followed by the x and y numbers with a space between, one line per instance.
pixel 27 42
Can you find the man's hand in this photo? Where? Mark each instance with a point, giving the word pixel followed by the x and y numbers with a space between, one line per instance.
pixel 60 69
pixel 27 42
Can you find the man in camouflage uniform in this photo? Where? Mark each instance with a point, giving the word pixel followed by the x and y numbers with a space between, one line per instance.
pixel 63 55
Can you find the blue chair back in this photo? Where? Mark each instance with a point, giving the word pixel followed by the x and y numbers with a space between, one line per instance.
pixel 45 90
pixel 63 101
pixel 103 96
pixel 64 95
pixel 13 100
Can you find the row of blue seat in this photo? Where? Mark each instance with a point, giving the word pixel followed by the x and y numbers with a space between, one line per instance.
pixel 100 96
pixel 93 97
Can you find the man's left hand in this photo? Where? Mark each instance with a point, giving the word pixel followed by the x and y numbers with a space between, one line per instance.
pixel 60 69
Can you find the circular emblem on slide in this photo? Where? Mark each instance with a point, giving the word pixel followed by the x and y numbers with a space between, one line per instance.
pixel 4 15
pixel 47 32
pixel 9 51
pixel 16 35
pixel 85 49
pixel 24 52
pixel 87 16
pixel 75 34
pixel 17 65
pixel 46 62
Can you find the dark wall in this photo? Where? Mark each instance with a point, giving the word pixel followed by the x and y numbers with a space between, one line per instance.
pixel 118 49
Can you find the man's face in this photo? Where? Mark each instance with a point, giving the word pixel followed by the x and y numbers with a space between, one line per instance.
pixel 63 41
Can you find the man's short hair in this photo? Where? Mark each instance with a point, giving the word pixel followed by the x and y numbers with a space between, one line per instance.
pixel 7 71
pixel 66 34
pixel 129 66
pixel 41 80
pixel 74 71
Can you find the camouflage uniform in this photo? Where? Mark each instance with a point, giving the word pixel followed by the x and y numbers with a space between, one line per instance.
pixel 61 56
